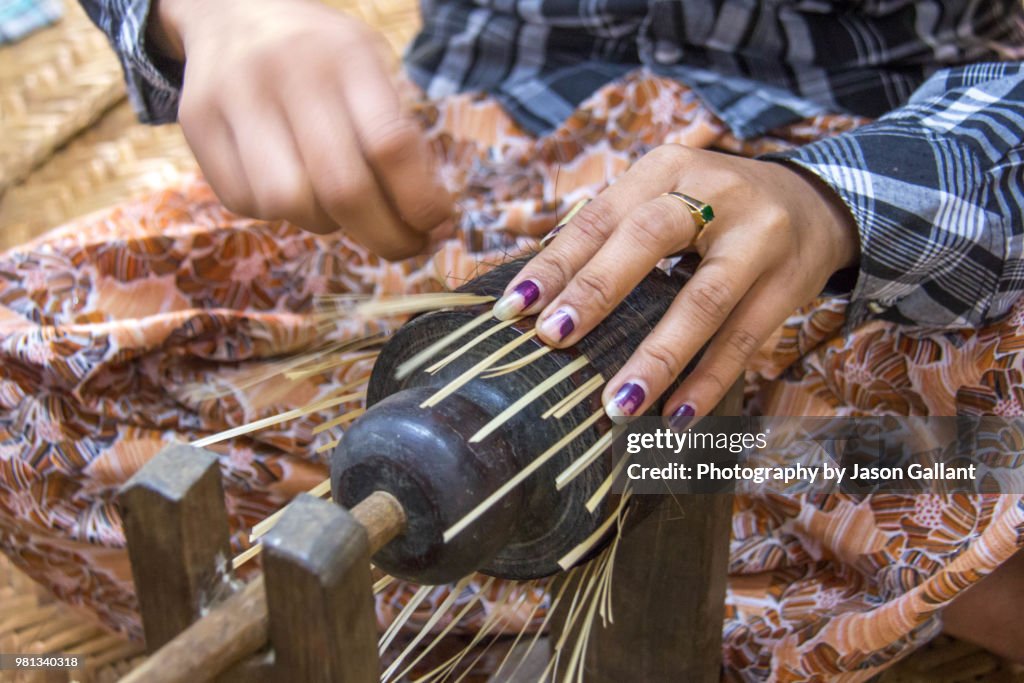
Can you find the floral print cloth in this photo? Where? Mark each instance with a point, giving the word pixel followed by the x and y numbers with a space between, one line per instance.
pixel 149 323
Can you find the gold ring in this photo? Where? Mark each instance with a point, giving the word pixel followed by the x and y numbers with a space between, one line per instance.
pixel 701 211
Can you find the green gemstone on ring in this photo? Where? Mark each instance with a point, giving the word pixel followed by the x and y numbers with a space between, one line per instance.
pixel 707 213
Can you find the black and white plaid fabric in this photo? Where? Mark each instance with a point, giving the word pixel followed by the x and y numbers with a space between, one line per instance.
pixel 935 185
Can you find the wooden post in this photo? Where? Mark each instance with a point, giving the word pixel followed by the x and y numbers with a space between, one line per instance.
pixel 176 527
pixel 668 591
pixel 320 596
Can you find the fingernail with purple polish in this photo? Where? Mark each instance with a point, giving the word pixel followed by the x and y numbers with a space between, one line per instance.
pixel 682 417
pixel 524 295
pixel 626 402
pixel 558 325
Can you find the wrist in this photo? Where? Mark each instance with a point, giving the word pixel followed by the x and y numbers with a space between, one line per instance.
pixel 825 213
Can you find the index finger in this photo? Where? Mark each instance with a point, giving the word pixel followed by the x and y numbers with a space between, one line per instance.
pixel 395 147
pixel 550 271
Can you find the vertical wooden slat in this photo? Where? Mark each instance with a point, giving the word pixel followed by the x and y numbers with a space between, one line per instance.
pixel 668 591
pixel 319 595
pixel 177 532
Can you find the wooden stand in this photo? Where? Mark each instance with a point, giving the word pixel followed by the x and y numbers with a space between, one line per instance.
pixel 313 605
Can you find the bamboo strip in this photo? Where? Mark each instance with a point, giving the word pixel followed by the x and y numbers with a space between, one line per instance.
pixel 528 398
pixel 395 626
pixel 327 446
pixel 338 421
pixel 303 373
pixel 414 363
pixel 560 409
pixel 581 463
pixel 466 347
pixel 261 528
pixel 520 477
pixel 471 374
pixel 442 609
pixel 574 555
pixel 246 555
pixel 518 364
pixel 602 491
pixel 447 629
pixel 417 303
pixel 296 413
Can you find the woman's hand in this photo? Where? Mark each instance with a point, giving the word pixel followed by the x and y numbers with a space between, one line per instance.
pixel 776 238
pixel 290 110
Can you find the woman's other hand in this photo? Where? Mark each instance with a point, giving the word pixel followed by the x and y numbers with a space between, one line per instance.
pixel 776 238
pixel 291 112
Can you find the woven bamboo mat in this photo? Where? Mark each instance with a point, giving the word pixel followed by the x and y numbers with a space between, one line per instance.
pixel 52 85
pixel 116 157
pixel 32 622
pixel 112 161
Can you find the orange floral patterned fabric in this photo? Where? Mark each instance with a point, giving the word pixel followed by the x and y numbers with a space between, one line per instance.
pixel 146 323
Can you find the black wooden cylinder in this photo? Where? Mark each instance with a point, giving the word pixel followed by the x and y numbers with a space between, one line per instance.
pixel 424 458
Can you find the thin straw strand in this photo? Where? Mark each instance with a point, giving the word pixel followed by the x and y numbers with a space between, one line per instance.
pixel 433 369
pixel 414 363
pixel 471 374
pixel 241 430
pixel 528 398
pixel 521 476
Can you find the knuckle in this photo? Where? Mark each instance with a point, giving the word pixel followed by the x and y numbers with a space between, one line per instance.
pixel 719 380
pixel 397 251
pixel 392 141
pixel 425 212
pixel 651 225
pixel 711 298
pixel 233 198
pixel 591 225
pixel 283 198
pixel 743 343
pixel 343 195
pixel 668 158
pixel 596 289
pixel 663 359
